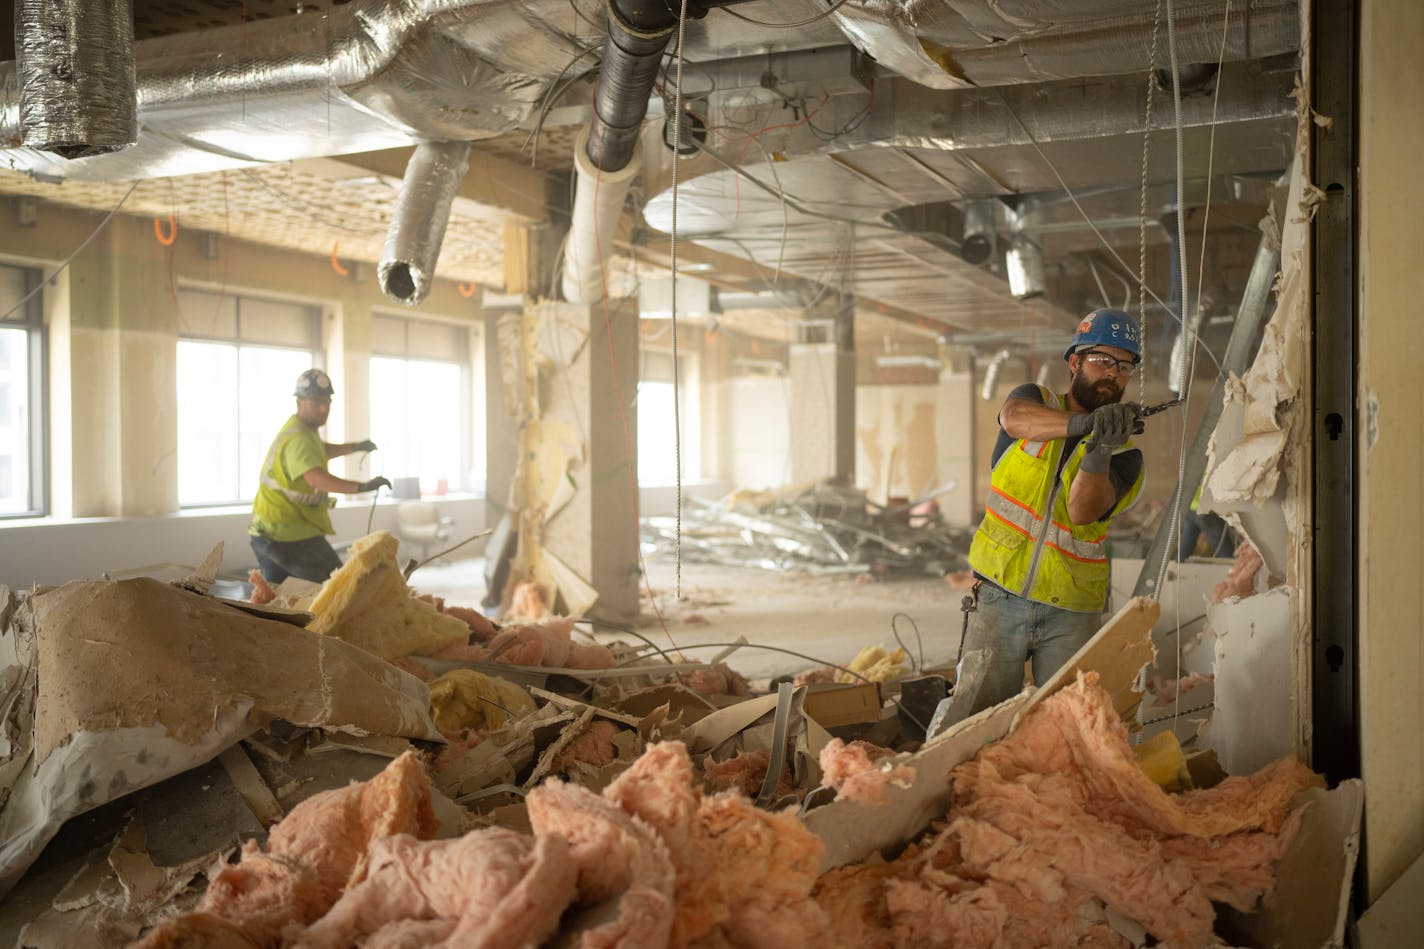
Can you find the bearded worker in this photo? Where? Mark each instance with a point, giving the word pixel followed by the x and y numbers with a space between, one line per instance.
pixel 1063 467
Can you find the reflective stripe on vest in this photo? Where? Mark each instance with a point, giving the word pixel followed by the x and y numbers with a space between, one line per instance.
pixel 307 498
pixel 1027 543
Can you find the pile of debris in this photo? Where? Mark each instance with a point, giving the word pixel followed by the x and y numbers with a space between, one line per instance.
pixel 357 764
pixel 823 528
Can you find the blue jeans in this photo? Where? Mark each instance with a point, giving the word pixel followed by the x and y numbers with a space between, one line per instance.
pixel 311 559
pixel 1220 539
pixel 1006 631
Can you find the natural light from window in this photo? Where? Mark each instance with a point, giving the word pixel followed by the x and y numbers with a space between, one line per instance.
pixel 233 399
pixel 14 421
pixel 657 459
pixel 416 420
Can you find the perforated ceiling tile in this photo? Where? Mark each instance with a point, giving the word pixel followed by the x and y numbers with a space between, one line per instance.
pixel 281 206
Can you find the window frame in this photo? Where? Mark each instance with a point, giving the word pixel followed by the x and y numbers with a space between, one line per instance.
pixel 32 321
pixel 236 339
pixel 471 336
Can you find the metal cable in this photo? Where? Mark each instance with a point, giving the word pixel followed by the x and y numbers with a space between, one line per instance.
pixel 672 255
pixel 1142 200
pixel 786 26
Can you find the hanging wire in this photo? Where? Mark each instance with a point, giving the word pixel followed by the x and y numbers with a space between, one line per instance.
pixel 1142 197
pixel 787 26
pixel 672 255
pixel 70 259
pixel 919 642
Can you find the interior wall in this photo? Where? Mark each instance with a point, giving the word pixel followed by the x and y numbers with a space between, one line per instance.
pixel 114 322
pixel 896 444
pixel 1391 511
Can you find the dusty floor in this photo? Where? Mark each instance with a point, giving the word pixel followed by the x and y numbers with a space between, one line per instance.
pixel 829 618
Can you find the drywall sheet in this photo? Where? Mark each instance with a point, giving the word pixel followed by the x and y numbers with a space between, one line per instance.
pixel 1253 724
pixel 136 681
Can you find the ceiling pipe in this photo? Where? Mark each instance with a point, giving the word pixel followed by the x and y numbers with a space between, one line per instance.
pixel 75 62
pixel 418 226
pixel 607 154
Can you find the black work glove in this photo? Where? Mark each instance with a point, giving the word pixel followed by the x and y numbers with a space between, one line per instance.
pixel 375 484
pixel 367 445
pixel 1113 425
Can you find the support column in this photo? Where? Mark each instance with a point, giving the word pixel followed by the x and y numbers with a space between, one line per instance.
pixel 956 409
pixel 575 484
pixel 823 395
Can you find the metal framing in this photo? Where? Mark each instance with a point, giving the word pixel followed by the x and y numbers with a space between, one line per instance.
pixel 1335 746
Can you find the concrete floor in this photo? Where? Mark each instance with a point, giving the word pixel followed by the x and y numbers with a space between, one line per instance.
pixel 830 618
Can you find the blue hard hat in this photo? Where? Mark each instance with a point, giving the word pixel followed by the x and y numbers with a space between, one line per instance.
pixel 313 384
pixel 1107 328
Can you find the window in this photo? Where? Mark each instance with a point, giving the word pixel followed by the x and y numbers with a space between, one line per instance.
pixel 237 359
pixel 421 411
pixel 22 422
pixel 657 457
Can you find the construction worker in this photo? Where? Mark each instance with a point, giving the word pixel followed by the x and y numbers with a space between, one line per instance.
pixel 1062 468
pixel 291 513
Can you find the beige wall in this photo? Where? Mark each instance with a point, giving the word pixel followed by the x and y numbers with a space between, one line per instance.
pixel 113 327
pixel 1391 510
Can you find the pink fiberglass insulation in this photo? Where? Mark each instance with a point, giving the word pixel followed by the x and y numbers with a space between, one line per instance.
pixel 616 855
pixel 312 855
pixel 716 679
pixel 1053 825
pixel 744 876
pixel 543 644
pixel 1241 581
pixel 745 773
pixel 490 889
pixel 1167 690
pixel 414 666
pixel 482 628
pixel 262 591
pixel 593 746
pixel 856 772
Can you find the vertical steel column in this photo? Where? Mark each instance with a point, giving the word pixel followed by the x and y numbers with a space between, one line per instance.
pixel 1250 316
pixel 1335 744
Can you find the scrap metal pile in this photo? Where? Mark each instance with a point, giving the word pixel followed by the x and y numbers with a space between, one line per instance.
pixel 823 528
pixel 356 764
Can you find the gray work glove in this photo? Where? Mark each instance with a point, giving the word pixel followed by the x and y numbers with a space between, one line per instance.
pixel 1112 426
pixel 367 445
pixel 375 484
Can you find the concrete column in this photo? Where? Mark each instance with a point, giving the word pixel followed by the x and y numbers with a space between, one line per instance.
pixel 823 398
pixel 576 486
pixel 956 408
pixel 122 374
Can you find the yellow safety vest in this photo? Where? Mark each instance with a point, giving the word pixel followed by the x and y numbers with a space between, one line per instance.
pixel 286 507
pixel 1047 559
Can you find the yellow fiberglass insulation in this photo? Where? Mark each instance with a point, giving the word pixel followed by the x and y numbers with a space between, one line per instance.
pixel 367 604
pixel 464 698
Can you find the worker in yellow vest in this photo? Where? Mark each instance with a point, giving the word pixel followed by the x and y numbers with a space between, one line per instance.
pixel 291 513
pixel 1063 467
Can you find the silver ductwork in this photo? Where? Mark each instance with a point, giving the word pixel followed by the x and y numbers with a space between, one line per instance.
pixel 75 62
pixel 364 76
pixel 955 44
pixel 418 225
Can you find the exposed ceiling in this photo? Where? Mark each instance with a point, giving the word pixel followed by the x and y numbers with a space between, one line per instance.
pixel 811 144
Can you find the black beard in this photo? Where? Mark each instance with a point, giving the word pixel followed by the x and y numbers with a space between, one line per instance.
pixel 1091 397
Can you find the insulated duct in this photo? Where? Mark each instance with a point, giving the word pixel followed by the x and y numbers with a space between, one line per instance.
pixel 956 44
pixel 598 202
pixel 363 76
pixel 418 227
pixel 605 154
pixel 991 373
pixel 75 62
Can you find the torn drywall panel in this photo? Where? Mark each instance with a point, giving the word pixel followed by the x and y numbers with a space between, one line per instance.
pixel 1255 710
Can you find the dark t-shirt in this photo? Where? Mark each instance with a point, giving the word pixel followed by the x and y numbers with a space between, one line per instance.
pixel 1122 471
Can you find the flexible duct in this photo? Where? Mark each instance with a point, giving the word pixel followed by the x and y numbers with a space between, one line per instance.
pixel 418 226
pixel 75 62
pixel 598 202
pixel 991 374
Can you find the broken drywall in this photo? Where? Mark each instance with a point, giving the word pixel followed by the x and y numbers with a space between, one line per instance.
pixel 1255 708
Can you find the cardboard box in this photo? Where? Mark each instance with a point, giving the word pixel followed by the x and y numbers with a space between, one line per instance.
pixel 832 706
